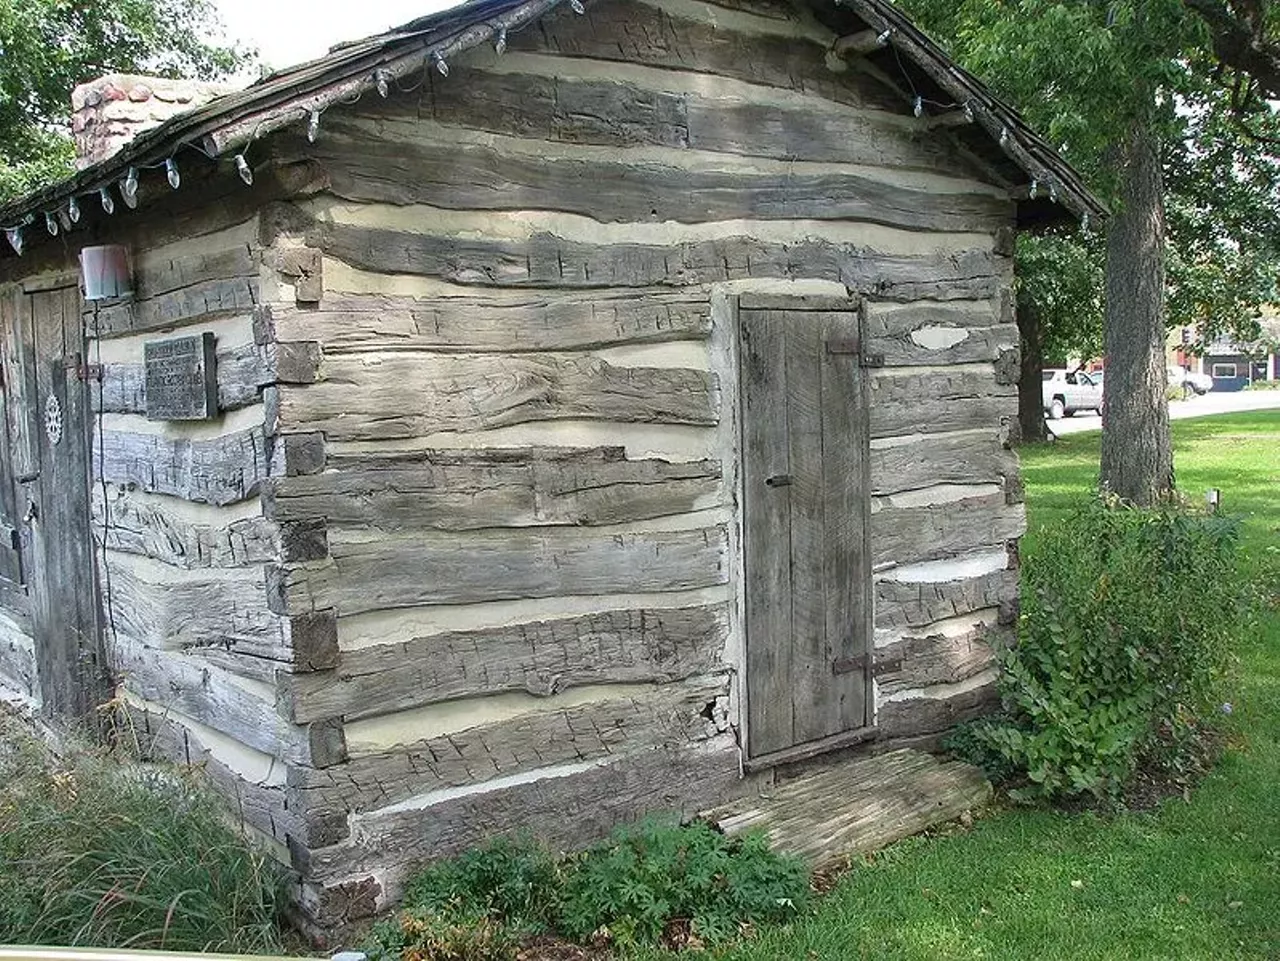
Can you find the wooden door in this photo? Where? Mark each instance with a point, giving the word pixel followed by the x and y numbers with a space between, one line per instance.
pixel 806 503
pixel 48 454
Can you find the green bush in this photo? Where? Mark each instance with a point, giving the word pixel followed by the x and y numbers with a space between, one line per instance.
pixel 98 854
pixel 637 887
pixel 514 881
pixel 649 885
pixel 1124 641
pixel 1263 385
pixel 421 934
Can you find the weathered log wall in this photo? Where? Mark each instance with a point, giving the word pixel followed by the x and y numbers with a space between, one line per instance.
pixel 515 495
pixel 460 553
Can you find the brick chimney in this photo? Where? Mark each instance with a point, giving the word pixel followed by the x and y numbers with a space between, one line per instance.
pixel 109 112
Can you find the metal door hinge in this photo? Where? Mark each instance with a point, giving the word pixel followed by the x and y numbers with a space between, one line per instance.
pixel 778 480
pixel 847 665
pixel 872 360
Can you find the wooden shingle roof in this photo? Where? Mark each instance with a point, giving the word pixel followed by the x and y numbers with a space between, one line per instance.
pixel 229 125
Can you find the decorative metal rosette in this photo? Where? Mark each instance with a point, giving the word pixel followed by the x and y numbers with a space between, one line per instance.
pixel 53 419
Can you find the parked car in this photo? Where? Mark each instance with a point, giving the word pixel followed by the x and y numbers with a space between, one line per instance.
pixel 1195 383
pixel 1064 392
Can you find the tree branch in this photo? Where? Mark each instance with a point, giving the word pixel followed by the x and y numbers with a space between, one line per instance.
pixel 1239 37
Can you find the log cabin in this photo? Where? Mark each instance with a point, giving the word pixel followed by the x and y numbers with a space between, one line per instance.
pixel 535 416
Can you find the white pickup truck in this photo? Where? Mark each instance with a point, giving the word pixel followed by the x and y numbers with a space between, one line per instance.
pixel 1065 392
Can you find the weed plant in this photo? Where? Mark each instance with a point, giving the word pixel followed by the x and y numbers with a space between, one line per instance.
pixel 1124 643
pixel 94 853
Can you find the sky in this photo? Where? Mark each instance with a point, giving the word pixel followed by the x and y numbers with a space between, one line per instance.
pixel 287 32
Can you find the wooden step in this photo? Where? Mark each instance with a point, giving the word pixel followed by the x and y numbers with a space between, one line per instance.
pixel 857 806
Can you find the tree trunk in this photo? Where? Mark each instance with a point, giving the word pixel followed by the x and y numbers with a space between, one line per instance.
pixel 1030 394
pixel 1137 459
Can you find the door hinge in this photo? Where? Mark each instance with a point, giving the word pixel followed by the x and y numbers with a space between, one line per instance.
pixel 847 665
pixel 778 480
pixel 872 360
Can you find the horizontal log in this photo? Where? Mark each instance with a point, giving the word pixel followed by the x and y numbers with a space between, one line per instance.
pixel 615 113
pixel 532 320
pixel 940 654
pixel 925 714
pixel 904 535
pixel 242 372
pixel 220 470
pixel 966 458
pixel 201 301
pixel 165 270
pixel 458 175
pixel 668 716
pixel 547 260
pixel 902 604
pixel 938 400
pixel 540 658
pixel 568 809
pixel 17 658
pixel 223 609
pixel 155 735
pixel 635 32
pixel 393 572
pixel 471 490
pixel 147 526
pixel 209 695
pixel 929 345
pixel 380 396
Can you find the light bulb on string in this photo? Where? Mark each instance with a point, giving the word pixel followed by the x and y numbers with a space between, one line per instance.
pixel 1004 136
pixel 1035 189
pixel 51 224
pixel 73 210
pixel 440 63
pixel 918 110
pixel 1053 193
pixel 244 170
pixel 313 126
pixel 382 80
pixel 884 37
pixel 171 173
pixel 15 239
pixel 129 188
pixel 500 43
pixel 577 7
pixel 104 197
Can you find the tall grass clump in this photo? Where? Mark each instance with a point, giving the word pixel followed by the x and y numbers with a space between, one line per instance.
pixel 95 853
pixel 1125 640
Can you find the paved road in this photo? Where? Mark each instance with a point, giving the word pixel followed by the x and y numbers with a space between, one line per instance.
pixel 1209 404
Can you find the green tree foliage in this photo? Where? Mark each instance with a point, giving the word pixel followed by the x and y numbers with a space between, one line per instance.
pixel 47 47
pixel 1081 70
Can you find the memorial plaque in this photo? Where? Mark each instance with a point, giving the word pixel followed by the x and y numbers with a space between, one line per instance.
pixel 181 378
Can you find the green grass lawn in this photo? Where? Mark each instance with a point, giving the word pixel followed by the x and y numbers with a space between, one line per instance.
pixel 1197 879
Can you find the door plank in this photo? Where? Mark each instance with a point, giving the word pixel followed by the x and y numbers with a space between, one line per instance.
pixel 68 649
pixel 811 654
pixel 846 484
pixel 766 533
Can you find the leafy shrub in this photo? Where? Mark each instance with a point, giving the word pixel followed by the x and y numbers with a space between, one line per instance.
pixel 1123 644
pixel 1263 385
pixel 513 881
pixel 423 934
pixel 95 853
pixel 649 880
